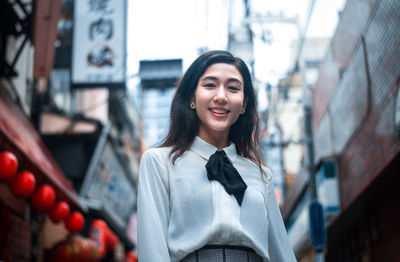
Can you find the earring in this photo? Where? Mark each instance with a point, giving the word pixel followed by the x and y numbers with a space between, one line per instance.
pixel 192 105
pixel 243 110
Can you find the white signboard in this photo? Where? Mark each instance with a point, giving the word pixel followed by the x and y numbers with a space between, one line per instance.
pixel 99 49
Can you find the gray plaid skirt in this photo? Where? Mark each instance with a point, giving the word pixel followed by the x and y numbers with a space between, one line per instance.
pixel 223 253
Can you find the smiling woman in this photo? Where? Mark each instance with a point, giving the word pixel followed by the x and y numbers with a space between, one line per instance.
pixel 204 194
pixel 185 122
pixel 218 101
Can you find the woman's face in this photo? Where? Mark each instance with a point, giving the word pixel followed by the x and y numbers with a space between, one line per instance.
pixel 219 100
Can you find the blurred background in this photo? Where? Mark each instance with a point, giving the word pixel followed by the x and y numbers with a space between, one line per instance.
pixel 86 86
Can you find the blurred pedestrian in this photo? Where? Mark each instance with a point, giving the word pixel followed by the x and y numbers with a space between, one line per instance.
pixel 204 194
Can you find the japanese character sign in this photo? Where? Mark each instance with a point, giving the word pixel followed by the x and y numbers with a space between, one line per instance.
pixel 99 42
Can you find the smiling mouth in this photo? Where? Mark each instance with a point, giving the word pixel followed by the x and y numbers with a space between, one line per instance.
pixel 219 112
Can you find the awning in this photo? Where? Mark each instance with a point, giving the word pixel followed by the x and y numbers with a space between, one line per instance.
pixel 17 131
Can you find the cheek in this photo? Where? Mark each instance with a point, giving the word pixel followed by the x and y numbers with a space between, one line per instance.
pixel 201 99
pixel 239 102
pixel 201 105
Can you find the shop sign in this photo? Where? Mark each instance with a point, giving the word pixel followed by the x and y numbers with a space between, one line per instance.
pixel 317 224
pixel 99 49
pixel 109 184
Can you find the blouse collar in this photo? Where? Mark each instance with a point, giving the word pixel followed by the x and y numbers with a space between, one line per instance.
pixel 205 150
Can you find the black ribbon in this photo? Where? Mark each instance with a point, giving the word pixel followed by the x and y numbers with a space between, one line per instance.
pixel 219 168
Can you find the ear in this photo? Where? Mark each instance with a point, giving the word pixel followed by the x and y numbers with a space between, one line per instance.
pixel 192 103
pixel 243 109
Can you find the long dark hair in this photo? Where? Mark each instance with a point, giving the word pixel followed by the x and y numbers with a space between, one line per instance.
pixel 184 123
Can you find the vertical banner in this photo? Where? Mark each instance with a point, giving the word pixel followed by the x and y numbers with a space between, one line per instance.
pixel 99 43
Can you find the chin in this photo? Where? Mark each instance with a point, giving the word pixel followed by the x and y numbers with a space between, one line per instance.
pixel 219 128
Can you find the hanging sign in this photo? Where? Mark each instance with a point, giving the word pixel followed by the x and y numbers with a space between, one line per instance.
pixel 317 224
pixel 99 49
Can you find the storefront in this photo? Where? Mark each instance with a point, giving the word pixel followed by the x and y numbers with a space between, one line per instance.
pixel 26 200
pixel 32 184
pixel 42 213
pixel 102 177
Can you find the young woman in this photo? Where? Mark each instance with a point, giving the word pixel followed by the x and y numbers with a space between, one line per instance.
pixel 204 194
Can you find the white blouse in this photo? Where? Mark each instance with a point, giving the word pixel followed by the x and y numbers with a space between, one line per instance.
pixel 180 210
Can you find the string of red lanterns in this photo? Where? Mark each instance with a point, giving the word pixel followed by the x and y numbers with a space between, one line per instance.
pixel 23 184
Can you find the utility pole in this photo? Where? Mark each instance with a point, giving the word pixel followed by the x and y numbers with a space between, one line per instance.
pixel 316 213
pixel 308 138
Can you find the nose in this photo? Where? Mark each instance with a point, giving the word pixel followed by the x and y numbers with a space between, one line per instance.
pixel 220 96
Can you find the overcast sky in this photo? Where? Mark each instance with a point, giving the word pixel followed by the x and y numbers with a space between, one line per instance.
pixel 160 29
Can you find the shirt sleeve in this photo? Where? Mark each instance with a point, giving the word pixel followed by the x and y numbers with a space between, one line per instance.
pixel 153 210
pixel 279 247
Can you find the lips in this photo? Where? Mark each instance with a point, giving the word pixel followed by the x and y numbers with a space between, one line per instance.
pixel 219 112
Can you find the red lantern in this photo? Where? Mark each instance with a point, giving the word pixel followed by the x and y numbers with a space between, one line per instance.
pixel 74 248
pixel 74 222
pixel 59 211
pixel 43 197
pixel 8 165
pixel 98 233
pixel 112 239
pixel 22 184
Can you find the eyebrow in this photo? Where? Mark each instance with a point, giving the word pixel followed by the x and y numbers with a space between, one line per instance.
pixel 213 78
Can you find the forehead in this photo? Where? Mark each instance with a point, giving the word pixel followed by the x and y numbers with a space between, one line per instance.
pixel 223 71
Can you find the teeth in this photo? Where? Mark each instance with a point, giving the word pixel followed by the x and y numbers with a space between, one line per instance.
pixel 219 111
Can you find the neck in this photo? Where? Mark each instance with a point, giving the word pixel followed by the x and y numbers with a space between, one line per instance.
pixel 219 140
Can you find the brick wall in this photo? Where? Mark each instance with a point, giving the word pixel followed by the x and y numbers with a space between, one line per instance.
pixel 354 96
pixel 353 20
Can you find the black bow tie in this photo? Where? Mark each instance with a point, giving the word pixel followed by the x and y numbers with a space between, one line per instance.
pixel 219 168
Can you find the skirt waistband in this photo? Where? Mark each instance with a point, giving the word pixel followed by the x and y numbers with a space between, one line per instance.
pixel 223 253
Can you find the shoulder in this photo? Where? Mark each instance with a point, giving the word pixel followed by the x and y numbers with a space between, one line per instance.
pixel 156 158
pixel 154 165
pixel 252 165
pixel 249 166
pixel 157 153
pixel 267 173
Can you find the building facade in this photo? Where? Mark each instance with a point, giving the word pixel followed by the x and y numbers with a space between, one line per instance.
pixel 355 107
pixel 81 143
pixel 158 83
